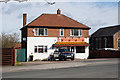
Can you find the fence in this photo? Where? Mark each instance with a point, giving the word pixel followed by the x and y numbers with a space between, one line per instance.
pixel 104 54
pixel 8 56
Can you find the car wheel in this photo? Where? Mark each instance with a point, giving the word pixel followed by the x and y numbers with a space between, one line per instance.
pixel 64 59
pixel 72 58
pixel 54 59
pixel 60 59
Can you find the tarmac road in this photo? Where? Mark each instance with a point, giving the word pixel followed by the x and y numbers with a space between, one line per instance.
pixel 86 71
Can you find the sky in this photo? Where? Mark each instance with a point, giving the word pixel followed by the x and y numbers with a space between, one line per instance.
pixel 93 14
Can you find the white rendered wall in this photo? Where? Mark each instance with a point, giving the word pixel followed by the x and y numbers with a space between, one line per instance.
pixel 35 41
pixel 82 55
pixel 49 41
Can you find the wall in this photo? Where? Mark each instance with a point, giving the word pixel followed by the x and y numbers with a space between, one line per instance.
pixel 56 33
pixel 33 41
pixel 23 35
pixel 49 41
pixel 104 54
pixel 115 40
pixel 99 42
pixel 82 55
pixel 85 33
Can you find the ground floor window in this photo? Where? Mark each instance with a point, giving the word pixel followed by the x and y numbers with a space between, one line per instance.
pixel 80 49
pixel 40 49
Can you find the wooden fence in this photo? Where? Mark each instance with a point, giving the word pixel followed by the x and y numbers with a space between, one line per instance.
pixel 8 56
pixel 104 54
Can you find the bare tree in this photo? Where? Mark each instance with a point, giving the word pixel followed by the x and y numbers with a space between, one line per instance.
pixel 8 40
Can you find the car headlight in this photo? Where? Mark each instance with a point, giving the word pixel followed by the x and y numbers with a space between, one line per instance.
pixel 71 54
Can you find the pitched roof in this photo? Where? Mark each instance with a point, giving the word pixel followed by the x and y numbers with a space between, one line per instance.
pixel 56 20
pixel 107 31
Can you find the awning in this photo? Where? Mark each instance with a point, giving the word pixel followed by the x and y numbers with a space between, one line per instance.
pixel 65 44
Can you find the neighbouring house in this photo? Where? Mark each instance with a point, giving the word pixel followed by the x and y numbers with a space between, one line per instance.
pixel 107 37
pixel 52 31
pixel 17 46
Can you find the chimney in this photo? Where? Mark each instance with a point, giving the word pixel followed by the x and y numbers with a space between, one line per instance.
pixel 58 11
pixel 24 19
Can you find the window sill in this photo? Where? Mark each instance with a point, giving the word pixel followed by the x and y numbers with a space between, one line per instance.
pixel 75 36
pixel 40 35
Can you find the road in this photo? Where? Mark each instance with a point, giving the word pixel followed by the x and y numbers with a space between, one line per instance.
pixel 87 71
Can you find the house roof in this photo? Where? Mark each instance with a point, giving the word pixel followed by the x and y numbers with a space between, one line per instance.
pixel 56 20
pixel 106 31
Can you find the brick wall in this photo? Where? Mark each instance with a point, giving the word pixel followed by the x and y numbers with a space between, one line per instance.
pixel 115 40
pixel 99 42
pixel 85 33
pixel 56 33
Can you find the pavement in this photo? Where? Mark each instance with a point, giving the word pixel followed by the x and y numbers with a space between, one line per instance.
pixel 42 65
pixel 93 71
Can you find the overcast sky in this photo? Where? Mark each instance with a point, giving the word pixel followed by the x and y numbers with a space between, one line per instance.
pixel 92 14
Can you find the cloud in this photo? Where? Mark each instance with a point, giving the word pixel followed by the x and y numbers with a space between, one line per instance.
pixel 92 14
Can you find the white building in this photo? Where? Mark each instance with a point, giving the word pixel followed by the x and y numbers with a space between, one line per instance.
pixel 51 31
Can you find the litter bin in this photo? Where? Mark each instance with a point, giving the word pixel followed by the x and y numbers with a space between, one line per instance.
pixel 31 57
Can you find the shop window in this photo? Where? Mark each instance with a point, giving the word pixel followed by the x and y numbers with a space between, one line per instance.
pixel 68 48
pixel 72 49
pixel 80 49
pixel 40 49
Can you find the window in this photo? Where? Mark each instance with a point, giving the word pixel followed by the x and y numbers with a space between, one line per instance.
pixel 80 49
pixel 61 32
pixel 76 32
pixel 99 43
pixel 40 49
pixel 105 42
pixel 41 32
pixel 45 48
pixel 72 49
pixel 35 49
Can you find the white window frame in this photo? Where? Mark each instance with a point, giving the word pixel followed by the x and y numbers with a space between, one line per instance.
pixel 79 32
pixel 38 32
pixel 60 32
pixel 41 46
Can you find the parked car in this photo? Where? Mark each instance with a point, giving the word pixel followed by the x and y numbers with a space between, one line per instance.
pixel 119 49
pixel 62 54
pixel 108 49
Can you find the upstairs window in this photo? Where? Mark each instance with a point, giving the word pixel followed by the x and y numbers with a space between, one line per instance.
pixel 41 32
pixel 76 32
pixel 61 32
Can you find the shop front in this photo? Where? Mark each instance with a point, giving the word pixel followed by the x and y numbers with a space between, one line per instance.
pixel 76 45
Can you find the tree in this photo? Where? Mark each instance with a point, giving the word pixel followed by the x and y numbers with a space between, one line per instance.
pixel 8 40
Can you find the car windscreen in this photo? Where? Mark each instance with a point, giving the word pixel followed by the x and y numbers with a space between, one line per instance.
pixel 63 50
